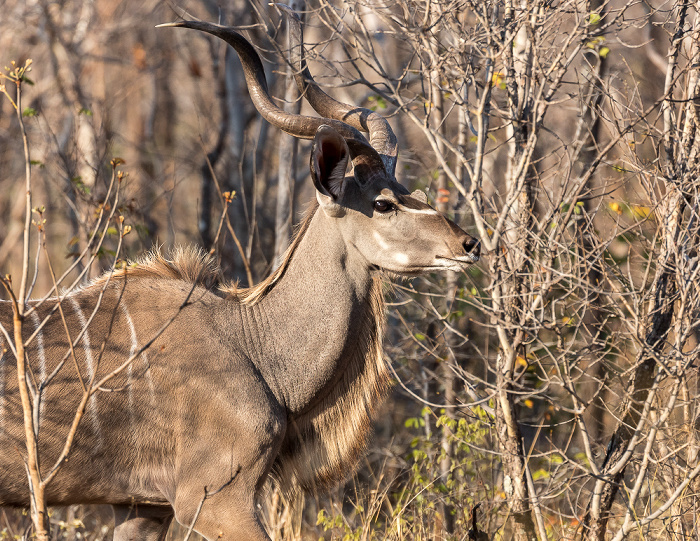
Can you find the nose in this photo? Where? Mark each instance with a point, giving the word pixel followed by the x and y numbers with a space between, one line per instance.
pixel 472 246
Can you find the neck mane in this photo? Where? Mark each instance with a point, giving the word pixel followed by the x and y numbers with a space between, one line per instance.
pixel 325 441
pixel 252 295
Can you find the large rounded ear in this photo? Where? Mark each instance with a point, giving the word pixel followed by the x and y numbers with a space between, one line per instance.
pixel 329 161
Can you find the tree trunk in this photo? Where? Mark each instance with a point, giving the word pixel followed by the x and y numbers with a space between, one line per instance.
pixel 287 156
pixel 512 268
pixel 658 320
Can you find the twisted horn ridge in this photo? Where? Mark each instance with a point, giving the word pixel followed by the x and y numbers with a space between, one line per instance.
pixel 381 136
pixel 300 126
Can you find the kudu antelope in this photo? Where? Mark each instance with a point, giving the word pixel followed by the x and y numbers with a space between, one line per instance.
pixel 279 380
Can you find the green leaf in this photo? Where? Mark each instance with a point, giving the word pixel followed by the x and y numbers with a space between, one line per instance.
pixel 595 42
pixel 84 111
pixel 142 230
pixel 593 18
pixel 603 52
pixel 29 111
pixel 556 459
pixel 80 185
pixel 540 474
pixel 619 169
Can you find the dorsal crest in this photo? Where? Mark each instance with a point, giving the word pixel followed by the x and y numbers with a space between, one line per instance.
pixel 187 263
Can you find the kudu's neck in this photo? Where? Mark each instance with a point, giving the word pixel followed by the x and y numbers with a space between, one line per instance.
pixel 314 316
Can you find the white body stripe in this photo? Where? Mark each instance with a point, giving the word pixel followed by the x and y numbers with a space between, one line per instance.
pixel 134 348
pixel 92 404
pixel 40 346
pixel 2 381
pixel 42 358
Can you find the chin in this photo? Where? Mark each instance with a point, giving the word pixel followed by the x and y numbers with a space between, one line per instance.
pixel 407 274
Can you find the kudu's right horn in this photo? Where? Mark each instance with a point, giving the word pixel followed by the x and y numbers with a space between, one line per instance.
pixel 381 136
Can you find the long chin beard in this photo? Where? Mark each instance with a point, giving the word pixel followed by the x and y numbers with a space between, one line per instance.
pixel 398 277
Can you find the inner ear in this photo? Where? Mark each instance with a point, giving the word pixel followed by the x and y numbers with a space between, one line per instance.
pixel 329 161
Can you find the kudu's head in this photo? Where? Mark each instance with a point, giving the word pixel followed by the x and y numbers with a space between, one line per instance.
pixel 392 229
pixel 354 179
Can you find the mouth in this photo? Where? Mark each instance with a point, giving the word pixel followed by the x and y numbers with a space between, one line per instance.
pixel 460 261
pixel 456 264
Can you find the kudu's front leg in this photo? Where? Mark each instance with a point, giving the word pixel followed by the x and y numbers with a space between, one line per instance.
pixel 141 522
pixel 228 515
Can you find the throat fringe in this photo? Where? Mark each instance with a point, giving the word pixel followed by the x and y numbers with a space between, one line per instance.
pixel 324 444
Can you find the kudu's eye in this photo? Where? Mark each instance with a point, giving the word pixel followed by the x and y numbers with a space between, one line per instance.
pixel 382 205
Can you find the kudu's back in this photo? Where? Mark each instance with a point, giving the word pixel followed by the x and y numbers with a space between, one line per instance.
pixel 128 435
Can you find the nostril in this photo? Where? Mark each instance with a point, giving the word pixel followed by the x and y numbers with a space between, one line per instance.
pixel 472 246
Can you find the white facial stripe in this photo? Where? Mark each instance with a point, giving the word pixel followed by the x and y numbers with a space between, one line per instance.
pixel 90 366
pixel 429 212
pixel 380 240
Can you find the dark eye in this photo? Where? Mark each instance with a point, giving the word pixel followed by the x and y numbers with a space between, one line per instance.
pixel 382 205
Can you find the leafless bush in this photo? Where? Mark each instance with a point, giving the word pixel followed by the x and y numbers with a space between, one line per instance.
pixel 556 385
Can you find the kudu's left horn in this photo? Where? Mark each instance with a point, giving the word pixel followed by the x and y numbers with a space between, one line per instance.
pixel 301 126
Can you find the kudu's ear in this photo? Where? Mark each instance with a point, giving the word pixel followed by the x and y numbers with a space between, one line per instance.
pixel 420 195
pixel 329 161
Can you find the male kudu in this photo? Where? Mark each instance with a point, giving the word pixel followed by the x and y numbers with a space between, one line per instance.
pixel 280 379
